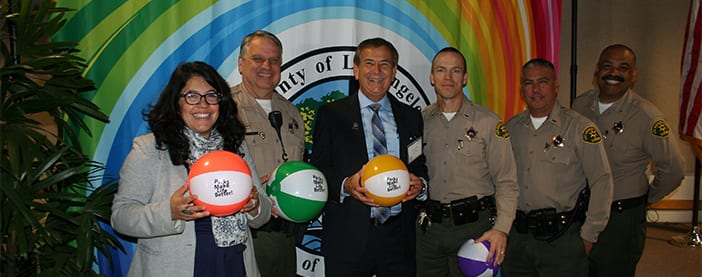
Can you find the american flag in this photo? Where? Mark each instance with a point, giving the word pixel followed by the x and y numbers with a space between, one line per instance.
pixel 691 95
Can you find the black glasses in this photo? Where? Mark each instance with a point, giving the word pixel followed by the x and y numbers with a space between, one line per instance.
pixel 193 98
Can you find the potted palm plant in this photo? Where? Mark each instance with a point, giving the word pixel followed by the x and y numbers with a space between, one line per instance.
pixel 52 196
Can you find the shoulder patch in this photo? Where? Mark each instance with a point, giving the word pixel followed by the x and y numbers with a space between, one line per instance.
pixel 501 130
pixel 660 129
pixel 590 135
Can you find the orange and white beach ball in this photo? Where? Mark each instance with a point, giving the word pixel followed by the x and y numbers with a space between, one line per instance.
pixel 387 180
pixel 222 182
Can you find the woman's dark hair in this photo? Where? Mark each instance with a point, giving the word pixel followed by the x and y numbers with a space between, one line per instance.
pixel 167 125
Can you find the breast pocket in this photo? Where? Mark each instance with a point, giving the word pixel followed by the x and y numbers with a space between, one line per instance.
pixel 472 150
pixel 560 157
pixel 293 132
pixel 626 147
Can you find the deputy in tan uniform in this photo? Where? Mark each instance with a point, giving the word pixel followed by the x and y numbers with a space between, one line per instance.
pixel 635 134
pixel 260 58
pixel 470 162
pixel 559 153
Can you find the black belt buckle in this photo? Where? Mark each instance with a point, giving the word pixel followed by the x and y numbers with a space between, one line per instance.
pixel 465 210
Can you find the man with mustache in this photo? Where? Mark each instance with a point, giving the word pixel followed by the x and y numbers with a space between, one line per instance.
pixel 635 134
pixel 559 156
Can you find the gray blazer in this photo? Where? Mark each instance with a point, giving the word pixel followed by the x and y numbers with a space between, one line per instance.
pixel 141 209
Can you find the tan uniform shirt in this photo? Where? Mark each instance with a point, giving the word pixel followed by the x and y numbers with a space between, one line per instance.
pixel 471 155
pixel 635 133
pixel 551 174
pixel 262 139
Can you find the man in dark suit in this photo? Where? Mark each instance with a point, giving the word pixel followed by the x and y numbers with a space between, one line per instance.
pixel 356 241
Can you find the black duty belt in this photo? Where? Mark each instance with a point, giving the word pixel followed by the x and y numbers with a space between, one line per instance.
pixel 543 224
pixel 624 204
pixel 460 211
pixel 483 204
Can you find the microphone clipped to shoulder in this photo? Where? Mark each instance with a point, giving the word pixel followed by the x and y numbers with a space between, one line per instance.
pixel 276 120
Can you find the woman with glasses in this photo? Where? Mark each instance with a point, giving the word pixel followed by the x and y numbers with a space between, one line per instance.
pixel 193 116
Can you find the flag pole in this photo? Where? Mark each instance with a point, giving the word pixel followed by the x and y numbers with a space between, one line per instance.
pixel 693 238
pixel 573 50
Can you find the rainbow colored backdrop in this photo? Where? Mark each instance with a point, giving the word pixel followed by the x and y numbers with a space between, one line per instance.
pixel 131 48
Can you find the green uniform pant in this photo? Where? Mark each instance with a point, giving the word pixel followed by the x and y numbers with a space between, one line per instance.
pixel 275 254
pixel 527 256
pixel 621 244
pixel 437 248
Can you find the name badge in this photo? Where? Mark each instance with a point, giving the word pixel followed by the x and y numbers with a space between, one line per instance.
pixel 414 149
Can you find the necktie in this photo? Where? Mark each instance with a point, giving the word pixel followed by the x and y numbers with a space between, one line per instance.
pixel 381 214
pixel 379 144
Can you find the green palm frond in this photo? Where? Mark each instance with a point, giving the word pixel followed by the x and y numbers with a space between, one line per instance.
pixel 53 205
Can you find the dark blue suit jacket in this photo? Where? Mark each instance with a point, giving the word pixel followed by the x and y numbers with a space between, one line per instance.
pixel 339 151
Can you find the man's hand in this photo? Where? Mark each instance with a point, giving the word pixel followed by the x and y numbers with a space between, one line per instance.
pixel 588 246
pixel 498 244
pixel 415 188
pixel 352 186
pixel 264 179
pixel 251 206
